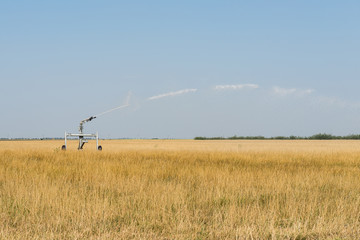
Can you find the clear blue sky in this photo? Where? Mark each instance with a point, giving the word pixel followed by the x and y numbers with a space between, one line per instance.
pixel 216 68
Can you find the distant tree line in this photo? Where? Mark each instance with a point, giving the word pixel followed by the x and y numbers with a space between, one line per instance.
pixel 26 139
pixel 319 136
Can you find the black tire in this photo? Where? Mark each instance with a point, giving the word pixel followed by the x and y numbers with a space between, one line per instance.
pixel 63 147
pixel 100 148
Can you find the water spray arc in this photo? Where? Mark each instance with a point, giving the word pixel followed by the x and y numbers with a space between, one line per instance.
pixel 108 111
pixel 83 137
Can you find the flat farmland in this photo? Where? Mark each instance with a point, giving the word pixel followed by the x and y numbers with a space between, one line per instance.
pixel 180 189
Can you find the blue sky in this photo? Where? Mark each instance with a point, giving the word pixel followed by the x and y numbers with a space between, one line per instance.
pixel 194 68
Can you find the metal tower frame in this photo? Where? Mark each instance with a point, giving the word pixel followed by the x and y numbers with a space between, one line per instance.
pixel 83 136
pixel 82 139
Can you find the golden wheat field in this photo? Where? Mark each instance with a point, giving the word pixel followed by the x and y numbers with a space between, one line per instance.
pixel 180 189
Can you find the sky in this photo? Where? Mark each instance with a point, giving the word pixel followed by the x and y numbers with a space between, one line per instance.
pixel 191 68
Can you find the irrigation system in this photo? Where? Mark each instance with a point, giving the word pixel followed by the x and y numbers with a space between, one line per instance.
pixel 84 137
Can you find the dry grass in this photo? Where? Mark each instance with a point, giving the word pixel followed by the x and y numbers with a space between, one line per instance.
pixel 180 189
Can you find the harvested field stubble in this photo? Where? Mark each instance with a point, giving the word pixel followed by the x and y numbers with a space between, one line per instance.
pixel 181 189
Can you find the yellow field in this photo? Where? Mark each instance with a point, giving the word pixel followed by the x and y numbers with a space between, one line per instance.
pixel 180 189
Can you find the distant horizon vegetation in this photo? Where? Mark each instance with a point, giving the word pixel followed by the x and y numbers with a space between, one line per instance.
pixel 318 136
